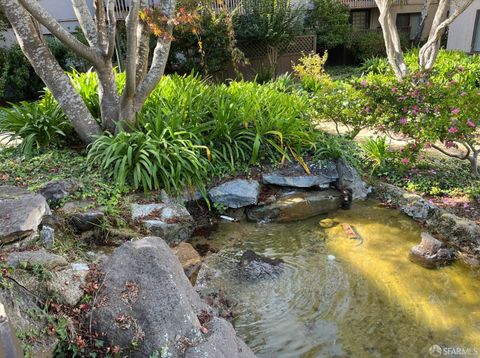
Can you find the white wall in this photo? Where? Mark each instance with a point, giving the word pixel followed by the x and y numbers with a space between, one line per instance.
pixel 62 10
pixel 460 33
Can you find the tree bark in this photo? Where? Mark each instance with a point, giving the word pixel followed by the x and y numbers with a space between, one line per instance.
pixel 48 69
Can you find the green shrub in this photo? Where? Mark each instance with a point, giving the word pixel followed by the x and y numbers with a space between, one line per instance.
pixel 330 19
pixel 377 153
pixel 38 124
pixel 367 44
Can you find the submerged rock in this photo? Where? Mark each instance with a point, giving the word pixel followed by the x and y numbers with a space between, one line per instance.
pixel 188 257
pixel 170 221
pixel 236 193
pixel 21 213
pixel 322 175
pixel 348 178
pixel 296 206
pixel 254 266
pixel 147 300
pixel 431 253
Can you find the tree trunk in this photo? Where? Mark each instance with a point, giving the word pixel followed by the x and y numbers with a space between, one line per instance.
pixel 392 39
pixel 48 69
pixel 108 97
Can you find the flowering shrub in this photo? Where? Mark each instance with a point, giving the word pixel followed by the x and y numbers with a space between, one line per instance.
pixel 426 113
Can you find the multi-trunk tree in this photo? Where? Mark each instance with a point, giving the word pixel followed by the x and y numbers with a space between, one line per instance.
pixel 446 12
pixel 143 68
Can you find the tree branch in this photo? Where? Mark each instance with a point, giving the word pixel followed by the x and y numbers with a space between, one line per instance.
pixel 101 21
pixel 112 28
pixel 131 63
pixel 47 20
pixel 441 150
pixel 85 20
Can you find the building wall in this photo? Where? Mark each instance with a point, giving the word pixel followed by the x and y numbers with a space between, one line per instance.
pixel 62 10
pixel 412 6
pixel 460 33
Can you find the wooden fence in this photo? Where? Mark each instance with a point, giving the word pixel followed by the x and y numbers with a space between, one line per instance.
pixel 262 57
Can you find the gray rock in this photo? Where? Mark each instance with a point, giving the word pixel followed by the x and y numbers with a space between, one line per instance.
pixel 431 253
pixel 79 266
pixel 410 204
pixel 21 212
pixel 56 190
pixel 170 221
pixel 221 342
pixel 149 300
pixel 297 206
pixel 47 235
pixel 66 285
pixel 459 231
pixel 88 220
pixel 323 174
pixel 236 193
pixel 39 257
pixel 253 266
pixel 348 178
pixel 20 307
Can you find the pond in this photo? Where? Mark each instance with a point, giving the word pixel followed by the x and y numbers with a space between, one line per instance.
pixel 342 297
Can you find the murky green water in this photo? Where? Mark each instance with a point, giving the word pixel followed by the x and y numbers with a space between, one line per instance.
pixel 370 301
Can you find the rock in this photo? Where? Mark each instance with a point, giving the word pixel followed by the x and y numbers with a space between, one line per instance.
pixel 322 175
pixel 431 253
pixel 36 258
pixel 235 193
pixel 327 223
pixel 459 231
pixel 47 235
pixel 410 204
pixel 170 221
pixel 79 266
pixel 148 302
pixel 56 190
pixel 189 258
pixel 21 212
pixel 67 284
pixel 83 215
pixel 254 266
pixel 29 321
pixel 348 178
pixel 88 220
pixel 297 206
pixel 220 342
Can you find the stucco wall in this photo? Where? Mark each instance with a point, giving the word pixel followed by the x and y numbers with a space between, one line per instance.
pixel 460 34
pixel 62 10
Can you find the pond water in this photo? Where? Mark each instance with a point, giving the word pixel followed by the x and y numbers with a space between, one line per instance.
pixel 368 300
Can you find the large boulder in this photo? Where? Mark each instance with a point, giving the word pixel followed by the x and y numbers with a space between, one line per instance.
pixel 431 252
pixel 348 178
pixel 148 303
pixel 56 190
pixel 21 212
pixel 236 193
pixel 296 206
pixel 323 174
pixel 459 231
pixel 171 221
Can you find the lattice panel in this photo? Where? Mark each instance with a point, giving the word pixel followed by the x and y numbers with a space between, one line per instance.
pixel 300 44
pixel 252 49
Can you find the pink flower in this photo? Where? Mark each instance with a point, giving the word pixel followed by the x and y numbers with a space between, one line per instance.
pixel 405 161
pixel 463 94
pixel 455 111
pixel 461 68
pixel 453 82
pixel 470 123
pixel 452 130
pixel 367 109
pixel 394 89
pixel 403 121
pixel 364 83
pixel 449 144
pixel 428 145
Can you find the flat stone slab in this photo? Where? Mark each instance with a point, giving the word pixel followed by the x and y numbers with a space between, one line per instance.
pixel 431 253
pixel 296 206
pixel 236 193
pixel 39 257
pixel 21 212
pixel 322 175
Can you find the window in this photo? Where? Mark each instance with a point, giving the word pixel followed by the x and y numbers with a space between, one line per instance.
pixel 360 20
pixel 408 23
pixel 476 34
